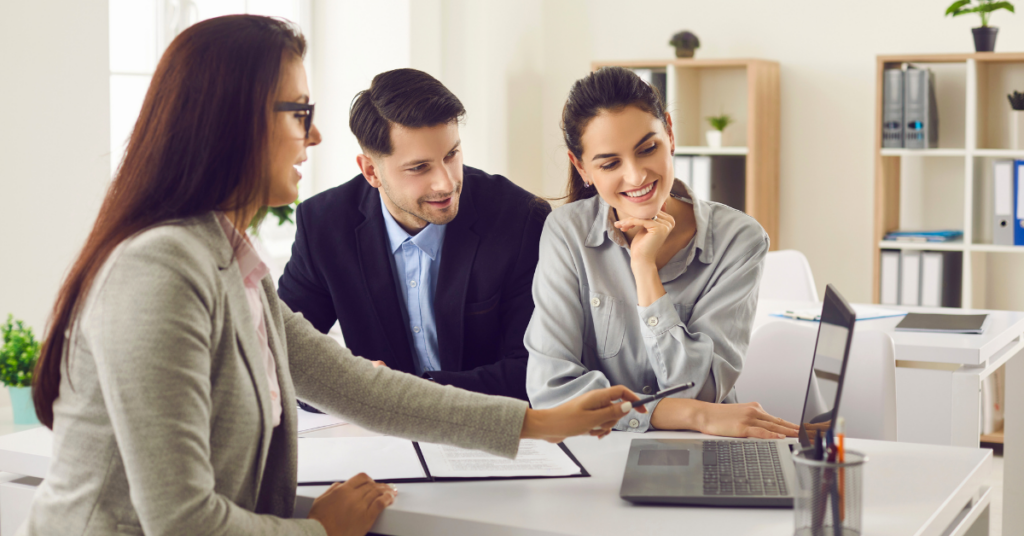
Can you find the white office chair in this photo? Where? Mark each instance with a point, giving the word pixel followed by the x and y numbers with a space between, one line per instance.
pixel 869 390
pixel 787 276
pixel 776 369
pixel 777 366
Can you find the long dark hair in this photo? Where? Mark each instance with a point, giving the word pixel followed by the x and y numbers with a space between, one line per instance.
pixel 198 145
pixel 609 88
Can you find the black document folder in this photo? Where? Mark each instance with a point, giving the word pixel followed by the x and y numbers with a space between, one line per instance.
pixel 943 323
pixel 434 478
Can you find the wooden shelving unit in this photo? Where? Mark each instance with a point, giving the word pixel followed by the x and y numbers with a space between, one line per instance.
pixel 746 89
pixel 949 186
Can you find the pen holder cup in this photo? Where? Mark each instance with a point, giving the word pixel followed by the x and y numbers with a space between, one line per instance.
pixel 829 495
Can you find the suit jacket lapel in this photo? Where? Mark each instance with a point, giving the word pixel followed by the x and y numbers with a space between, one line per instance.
pixel 278 485
pixel 459 250
pixel 371 239
pixel 242 323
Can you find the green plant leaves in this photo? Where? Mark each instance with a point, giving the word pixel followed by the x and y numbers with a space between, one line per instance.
pixel 719 122
pixel 18 355
pixel 983 9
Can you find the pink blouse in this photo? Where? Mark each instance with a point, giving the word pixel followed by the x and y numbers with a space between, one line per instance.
pixel 253 270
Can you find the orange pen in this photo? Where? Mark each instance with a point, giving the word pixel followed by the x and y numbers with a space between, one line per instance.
pixel 841 456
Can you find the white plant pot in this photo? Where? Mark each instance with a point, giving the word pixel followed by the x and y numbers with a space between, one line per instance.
pixel 714 138
pixel 1016 129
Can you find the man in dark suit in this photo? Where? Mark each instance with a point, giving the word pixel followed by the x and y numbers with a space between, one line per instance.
pixel 426 264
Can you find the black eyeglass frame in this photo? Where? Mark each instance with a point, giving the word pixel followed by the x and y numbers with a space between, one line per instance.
pixel 297 107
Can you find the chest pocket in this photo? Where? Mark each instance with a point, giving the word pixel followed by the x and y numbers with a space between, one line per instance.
pixel 607 324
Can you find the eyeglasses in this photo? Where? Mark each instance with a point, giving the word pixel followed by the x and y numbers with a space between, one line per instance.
pixel 297 107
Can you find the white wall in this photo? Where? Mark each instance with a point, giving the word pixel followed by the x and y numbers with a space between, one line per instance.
pixel 351 41
pixel 827 54
pixel 54 144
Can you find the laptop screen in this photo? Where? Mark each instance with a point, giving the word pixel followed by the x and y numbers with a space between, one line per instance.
pixel 835 332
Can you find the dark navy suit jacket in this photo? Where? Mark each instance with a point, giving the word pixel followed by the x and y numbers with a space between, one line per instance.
pixel 340 269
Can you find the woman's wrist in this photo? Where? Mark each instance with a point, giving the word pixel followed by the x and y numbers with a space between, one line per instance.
pixel 648 283
pixel 534 424
pixel 680 414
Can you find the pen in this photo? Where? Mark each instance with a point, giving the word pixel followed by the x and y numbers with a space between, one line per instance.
pixel 841 446
pixel 796 315
pixel 661 394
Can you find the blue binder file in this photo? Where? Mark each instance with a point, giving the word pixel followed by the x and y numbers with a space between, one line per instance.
pixel 1018 203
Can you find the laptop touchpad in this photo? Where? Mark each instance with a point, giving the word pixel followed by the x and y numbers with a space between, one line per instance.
pixel 664 457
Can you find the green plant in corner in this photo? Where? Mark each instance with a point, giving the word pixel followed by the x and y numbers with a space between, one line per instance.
pixel 18 355
pixel 719 122
pixel 983 8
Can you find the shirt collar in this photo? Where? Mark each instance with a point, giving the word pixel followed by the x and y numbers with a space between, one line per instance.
pixel 250 264
pixel 428 240
pixel 604 220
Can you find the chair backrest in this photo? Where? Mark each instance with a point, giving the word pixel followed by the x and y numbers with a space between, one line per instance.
pixel 869 390
pixel 777 365
pixel 787 276
pixel 776 368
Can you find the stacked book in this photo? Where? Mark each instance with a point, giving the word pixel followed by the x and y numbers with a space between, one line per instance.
pixel 924 236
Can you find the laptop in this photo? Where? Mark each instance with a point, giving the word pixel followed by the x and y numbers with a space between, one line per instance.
pixel 740 472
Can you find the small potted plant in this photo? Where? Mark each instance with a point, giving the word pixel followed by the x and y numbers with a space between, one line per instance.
pixel 984 36
pixel 718 123
pixel 686 43
pixel 1016 120
pixel 17 360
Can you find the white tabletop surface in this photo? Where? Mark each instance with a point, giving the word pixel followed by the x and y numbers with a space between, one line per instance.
pixel 908 489
pixel 1001 329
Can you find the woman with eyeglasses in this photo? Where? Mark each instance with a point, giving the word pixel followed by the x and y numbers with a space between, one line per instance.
pixel 170 369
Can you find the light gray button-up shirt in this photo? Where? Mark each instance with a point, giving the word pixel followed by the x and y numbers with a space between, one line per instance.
pixel 587 331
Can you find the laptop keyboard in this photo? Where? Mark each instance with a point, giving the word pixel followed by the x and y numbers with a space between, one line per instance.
pixel 742 468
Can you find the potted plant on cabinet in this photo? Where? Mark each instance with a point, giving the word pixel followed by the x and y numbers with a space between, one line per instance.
pixel 984 36
pixel 1016 120
pixel 17 360
pixel 718 123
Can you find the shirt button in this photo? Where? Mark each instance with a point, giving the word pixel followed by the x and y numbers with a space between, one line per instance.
pixel 647 389
pixel 596 302
pixel 652 321
pixel 412 284
pixel 633 423
pixel 415 329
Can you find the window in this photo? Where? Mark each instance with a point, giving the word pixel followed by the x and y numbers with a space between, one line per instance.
pixel 140 30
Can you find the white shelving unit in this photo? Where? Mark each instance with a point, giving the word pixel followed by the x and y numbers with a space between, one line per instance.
pixel 699 150
pixel 949 187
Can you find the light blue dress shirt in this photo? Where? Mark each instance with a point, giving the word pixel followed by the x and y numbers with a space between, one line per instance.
pixel 417 260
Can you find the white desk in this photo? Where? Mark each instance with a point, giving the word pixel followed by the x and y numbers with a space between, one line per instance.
pixel 938 387
pixel 908 489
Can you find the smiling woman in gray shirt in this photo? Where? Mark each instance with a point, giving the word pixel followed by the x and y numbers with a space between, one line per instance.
pixel 643 284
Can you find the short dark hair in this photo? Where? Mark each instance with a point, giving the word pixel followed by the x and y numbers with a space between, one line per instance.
pixel 405 97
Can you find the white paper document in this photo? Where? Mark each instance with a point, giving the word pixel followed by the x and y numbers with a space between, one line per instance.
pixel 336 459
pixel 864 312
pixel 536 458
pixel 309 421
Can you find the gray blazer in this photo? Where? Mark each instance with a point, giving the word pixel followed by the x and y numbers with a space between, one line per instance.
pixel 163 424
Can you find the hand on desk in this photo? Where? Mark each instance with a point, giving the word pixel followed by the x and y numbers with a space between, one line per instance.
pixel 594 413
pixel 730 420
pixel 352 507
